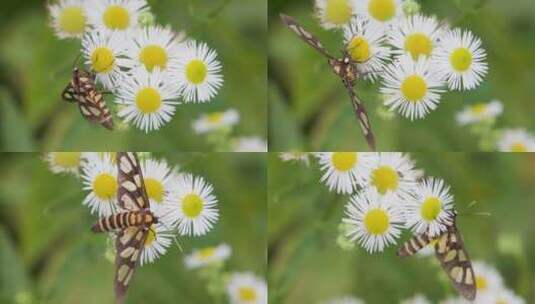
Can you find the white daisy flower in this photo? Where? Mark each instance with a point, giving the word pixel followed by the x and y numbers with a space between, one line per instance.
pixel 429 208
pixel 411 87
pixel 64 162
pixel 383 12
pixel 344 171
pixel 246 288
pixel 190 205
pixel 365 43
pixel 208 256
pixel 151 47
pixel 197 71
pixel 68 18
pixel 392 173
pixel 149 99
pixel 159 238
pixel 99 176
pixel 488 280
pixel 158 177
pixel 116 15
pixel 344 300
pixel 479 112
pixel 375 220
pixel 416 36
pixel 216 121
pixel 505 296
pixel 416 299
pixel 295 156
pixel 103 52
pixel 516 140
pixel 250 144
pixel 460 60
pixel 335 13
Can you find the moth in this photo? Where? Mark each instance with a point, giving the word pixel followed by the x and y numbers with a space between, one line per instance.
pixel 345 68
pixel 82 89
pixel 132 224
pixel 450 251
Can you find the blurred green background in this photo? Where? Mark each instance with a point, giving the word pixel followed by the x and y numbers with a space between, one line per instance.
pixel 35 67
pixel 47 250
pixel 309 108
pixel 307 266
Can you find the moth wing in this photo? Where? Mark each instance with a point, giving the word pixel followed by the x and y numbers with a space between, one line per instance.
pixel 450 251
pixel 94 108
pixel 128 244
pixel 413 245
pixel 131 194
pixel 362 116
pixel 305 35
pixel 69 94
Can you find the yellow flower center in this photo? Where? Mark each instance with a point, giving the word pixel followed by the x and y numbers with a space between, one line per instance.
pixel 72 20
pixel 148 100
pixel 382 10
pixel 116 17
pixel 519 147
pixel 67 160
pixel 385 178
pixel 206 253
pixel 196 71
pixel 338 11
pixel 359 48
pixel 151 235
pixel 414 88
pixel 247 294
pixel 461 59
pixel 376 221
pixel 479 108
pixel 153 56
pixel 102 60
pixel 418 44
pixel 215 118
pixel 431 208
pixel 501 301
pixel 481 283
pixel 192 205
pixel 154 189
pixel 105 186
pixel 344 161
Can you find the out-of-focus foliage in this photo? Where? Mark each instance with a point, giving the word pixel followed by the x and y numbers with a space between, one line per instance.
pixel 48 253
pixel 307 266
pixel 309 108
pixel 35 67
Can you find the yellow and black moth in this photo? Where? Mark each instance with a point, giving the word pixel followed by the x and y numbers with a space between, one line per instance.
pixel 132 224
pixel 450 251
pixel 345 68
pixel 82 89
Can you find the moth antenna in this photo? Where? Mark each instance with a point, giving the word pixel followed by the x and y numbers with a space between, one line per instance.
pixel 472 203
pixel 481 213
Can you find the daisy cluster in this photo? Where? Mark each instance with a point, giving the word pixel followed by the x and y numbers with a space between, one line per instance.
pixel 148 67
pixel 416 57
pixel 481 118
pixel 218 127
pixel 184 203
pixel 239 287
pixel 387 194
